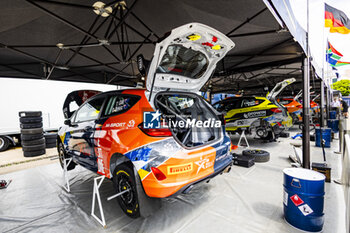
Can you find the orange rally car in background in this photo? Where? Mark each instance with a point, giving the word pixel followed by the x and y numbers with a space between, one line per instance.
pixel 165 137
pixel 293 107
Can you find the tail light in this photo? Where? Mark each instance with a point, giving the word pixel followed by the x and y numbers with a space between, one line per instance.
pixel 299 106
pixel 158 173
pixel 161 132
pixel 276 110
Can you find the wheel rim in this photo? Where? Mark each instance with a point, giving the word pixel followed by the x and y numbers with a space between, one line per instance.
pixel 2 142
pixel 125 183
pixel 61 154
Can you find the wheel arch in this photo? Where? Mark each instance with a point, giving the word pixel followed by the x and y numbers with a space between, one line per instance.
pixel 116 160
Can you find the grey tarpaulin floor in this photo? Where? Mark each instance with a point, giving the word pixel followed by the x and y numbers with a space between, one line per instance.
pixel 245 200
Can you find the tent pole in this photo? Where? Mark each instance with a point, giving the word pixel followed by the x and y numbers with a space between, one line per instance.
pixel 322 104
pixel 306 113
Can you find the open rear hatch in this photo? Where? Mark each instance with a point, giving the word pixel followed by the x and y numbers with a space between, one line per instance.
pixel 182 63
pixel 75 99
pixel 185 60
pixel 279 87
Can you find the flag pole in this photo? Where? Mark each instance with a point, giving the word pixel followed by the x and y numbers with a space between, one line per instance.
pixel 306 99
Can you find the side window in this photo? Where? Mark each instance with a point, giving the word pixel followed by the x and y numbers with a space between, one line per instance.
pixel 250 102
pixel 90 110
pixel 120 103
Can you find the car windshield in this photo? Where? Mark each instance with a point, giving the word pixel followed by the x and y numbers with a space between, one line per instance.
pixel 183 61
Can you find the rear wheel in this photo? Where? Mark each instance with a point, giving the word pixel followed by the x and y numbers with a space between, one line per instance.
pixel 124 179
pixel 62 156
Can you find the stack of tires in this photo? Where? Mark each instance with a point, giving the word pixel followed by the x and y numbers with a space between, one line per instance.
pixel 32 137
pixel 50 140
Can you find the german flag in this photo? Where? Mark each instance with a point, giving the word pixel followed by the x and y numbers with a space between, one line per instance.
pixel 336 20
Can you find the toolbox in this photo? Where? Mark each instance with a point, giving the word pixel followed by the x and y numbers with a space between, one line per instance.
pixel 322 168
pixel 243 161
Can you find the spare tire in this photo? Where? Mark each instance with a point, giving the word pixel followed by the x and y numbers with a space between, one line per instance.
pixel 33 142
pixel 25 120
pixel 34 147
pixel 34 153
pixel 29 137
pixel 30 114
pixel 31 125
pixel 32 131
pixel 259 155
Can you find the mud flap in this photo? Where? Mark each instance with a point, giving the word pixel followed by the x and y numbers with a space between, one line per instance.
pixel 148 205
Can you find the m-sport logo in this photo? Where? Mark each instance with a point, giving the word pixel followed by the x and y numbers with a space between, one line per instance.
pixel 152 120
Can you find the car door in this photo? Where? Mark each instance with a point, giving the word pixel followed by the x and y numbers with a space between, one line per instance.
pixel 81 144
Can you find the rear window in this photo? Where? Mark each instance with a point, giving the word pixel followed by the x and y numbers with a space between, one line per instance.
pixel 183 61
pixel 118 104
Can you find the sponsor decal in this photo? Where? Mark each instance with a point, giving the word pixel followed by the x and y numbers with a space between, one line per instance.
pixel 131 124
pixel 296 200
pixel 254 114
pixel 305 209
pixel 116 125
pixel 203 164
pixel 151 120
pixel 178 169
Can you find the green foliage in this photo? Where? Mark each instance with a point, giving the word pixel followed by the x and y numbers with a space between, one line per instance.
pixel 343 86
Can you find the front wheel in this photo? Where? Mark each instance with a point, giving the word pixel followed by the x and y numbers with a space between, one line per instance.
pixel 124 179
pixel 62 156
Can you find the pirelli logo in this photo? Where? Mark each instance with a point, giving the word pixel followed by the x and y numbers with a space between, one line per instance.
pixel 178 169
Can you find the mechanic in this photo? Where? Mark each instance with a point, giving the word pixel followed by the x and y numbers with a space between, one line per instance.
pixel 345 107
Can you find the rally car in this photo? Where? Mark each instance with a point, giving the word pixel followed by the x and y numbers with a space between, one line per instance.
pixel 164 137
pixel 294 108
pixel 264 115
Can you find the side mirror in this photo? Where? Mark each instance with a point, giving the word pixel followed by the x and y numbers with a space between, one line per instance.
pixel 141 65
pixel 67 122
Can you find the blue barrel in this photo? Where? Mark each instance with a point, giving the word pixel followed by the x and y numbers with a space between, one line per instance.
pixel 303 199
pixel 333 124
pixel 326 135
pixel 333 115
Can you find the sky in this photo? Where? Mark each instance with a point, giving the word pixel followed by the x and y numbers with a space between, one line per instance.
pixel 37 95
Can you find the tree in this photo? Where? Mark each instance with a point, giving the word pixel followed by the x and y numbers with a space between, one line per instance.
pixel 343 86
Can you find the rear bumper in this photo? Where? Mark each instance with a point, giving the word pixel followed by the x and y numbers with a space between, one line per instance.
pixel 187 188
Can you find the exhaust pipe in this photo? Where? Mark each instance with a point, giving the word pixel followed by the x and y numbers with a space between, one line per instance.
pixel 227 169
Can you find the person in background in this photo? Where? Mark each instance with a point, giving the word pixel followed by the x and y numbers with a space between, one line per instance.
pixel 345 107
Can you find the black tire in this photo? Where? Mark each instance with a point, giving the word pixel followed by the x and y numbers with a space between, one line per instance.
pixel 124 178
pixel 30 120
pixel 30 114
pixel 269 136
pixel 50 145
pixel 260 156
pixel 29 137
pixel 62 155
pixel 50 140
pixel 33 147
pixel 4 143
pixel 34 153
pixel 50 135
pixel 39 141
pixel 284 135
pixel 32 131
pixel 31 125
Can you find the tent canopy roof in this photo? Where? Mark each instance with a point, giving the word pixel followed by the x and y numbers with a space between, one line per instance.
pixel 66 40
